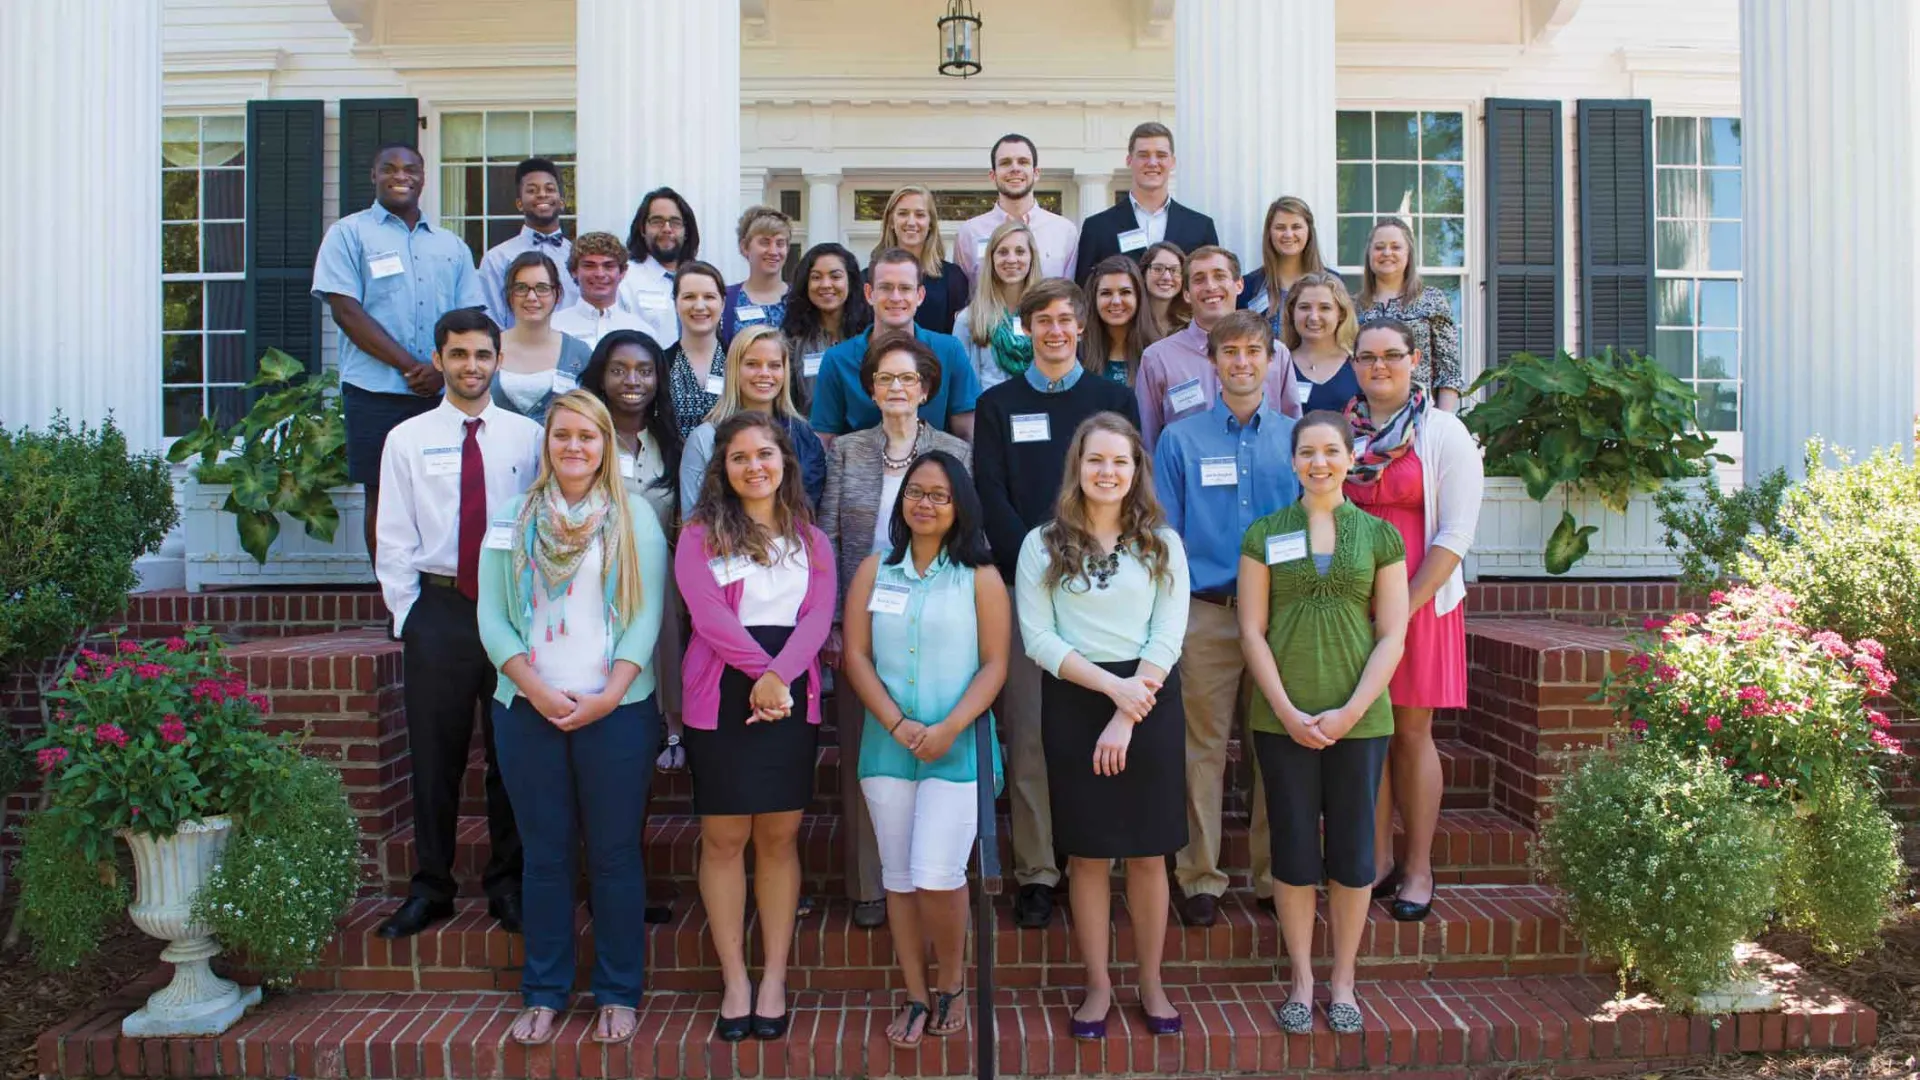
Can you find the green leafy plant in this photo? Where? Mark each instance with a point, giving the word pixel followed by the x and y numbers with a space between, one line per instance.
pixel 80 507
pixel 1657 856
pixel 283 457
pixel 288 874
pixel 1842 871
pixel 1711 533
pixel 66 900
pixel 1611 424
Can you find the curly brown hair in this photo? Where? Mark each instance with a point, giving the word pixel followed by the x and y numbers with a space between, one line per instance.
pixel 1069 538
pixel 730 531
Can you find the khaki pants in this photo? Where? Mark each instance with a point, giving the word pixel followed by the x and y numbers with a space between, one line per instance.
pixel 861 850
pixel 1018 713
pixel 1212 670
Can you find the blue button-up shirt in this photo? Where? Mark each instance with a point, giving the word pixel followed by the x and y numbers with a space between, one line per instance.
pixel 493 269
pixel 1212 519
pixel 841 404
pixel 405 278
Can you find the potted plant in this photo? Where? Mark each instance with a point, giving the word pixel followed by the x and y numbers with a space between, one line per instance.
pixel 161 745
pixel 1599 431
pixel 284 463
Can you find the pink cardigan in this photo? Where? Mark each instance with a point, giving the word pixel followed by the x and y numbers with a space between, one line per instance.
pixel 720 642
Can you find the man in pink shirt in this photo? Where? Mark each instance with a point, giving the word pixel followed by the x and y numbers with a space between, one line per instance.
pixel 1015 170
pixel 1176 376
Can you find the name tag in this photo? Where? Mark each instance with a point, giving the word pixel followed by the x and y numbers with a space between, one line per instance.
pixel 1133 240
pixel 747 313
pixel 500 536
pixel 627 466
pixel 980 250
pixel 1286 547
pixel 1360 444
pixel 810 364
pixel 564 383
pixel 1032 427
pixel 1259 304
pixel 1302 390
pixel 728 571
pixel 441 460
pixel 385 264
pixel 1218 471
pixel 1186 395
pixel 656 300
pixel 716 384
pixel 889 599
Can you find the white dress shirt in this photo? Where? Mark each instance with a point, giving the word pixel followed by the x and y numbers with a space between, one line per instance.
pixel 1153 221
pixel 1057 238
pixel 589 324
pixel 647 291
pixel 419 526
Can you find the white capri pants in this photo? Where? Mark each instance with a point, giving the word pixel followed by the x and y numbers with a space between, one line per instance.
pixel 925 830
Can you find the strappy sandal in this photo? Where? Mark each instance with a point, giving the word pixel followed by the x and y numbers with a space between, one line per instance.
pixel 1344 1018
pixel 534 1014
pixel 943 1024
pixel 1296 1018
pixel 604 1024
pixel 916 1011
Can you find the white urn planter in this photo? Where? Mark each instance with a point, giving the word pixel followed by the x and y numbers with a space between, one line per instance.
pixel 168 871
pixel 214 555
pixel 1511 540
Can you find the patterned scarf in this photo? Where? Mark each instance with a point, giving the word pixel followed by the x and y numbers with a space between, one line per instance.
pixel 1380 445
pixel 1013 352
pixel 554 541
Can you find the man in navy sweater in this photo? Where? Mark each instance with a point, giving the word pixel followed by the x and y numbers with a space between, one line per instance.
pixel 1022 428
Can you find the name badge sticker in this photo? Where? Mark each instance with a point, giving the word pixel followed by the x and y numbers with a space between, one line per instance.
pixel 1032 427
pixel 1133 240
pixel 980 250
pixel 889 599
pixel 1286 547
pixel 500 536
pixel 1019 329
pixel 385 264
pixel 441 460
pixel 1302 390
pixel 749 313
pixel 716 384
pixel 564 383
pixel 1360 444
pixel 1218 471
pixel 627 466
pixel 1186 395
pixel 729 570
pixel 810 364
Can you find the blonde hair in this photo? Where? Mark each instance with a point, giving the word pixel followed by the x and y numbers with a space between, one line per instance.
pixel 762 221
pixel 991 301
pixel 625 567
pixel 729 401
pixel 1345 333
pixel 1410 284
pixel 932 253
pixel 1310 262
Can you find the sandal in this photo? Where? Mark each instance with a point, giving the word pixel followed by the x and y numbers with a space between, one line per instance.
pixel 531 1017
pixel 944 1025
pixel 608 1024
pixel 916 1011
pixel 1344 1018
pixel 1296 1018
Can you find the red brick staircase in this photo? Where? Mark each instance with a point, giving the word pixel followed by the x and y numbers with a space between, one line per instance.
pixel 1492 983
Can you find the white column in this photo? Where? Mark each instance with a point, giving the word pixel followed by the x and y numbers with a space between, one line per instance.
pixel 823 209
pixel 1253 104
pixel 1830 232
pixel 659 104
pixel 1096 194
pixel 80 321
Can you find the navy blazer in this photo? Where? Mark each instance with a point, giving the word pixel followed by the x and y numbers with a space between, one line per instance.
pixel 1100 234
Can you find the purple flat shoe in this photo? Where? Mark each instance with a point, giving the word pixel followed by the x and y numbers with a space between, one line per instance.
pixel 1162 1025
pixel 1090 1029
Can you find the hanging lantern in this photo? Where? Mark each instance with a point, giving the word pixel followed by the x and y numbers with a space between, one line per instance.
pixel 960 40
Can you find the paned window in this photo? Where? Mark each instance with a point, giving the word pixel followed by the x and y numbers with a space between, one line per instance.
pixel 478 153
pixel 203 230
pixel 953 206
pixel 1409 165
pixel 1697 260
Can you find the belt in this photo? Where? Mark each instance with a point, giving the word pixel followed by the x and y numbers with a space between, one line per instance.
pixel 443 580
pixel 1219 599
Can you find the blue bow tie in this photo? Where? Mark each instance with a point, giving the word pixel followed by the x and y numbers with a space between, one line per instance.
pixel 552 241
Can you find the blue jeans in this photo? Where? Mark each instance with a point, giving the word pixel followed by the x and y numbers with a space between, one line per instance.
pixel 591 782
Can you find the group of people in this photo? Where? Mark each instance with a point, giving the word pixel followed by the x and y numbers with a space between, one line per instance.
pixel 667 522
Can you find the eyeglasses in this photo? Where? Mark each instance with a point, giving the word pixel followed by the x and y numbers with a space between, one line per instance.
pixel 1162 270
pixel 895 289
pixel 1391 356
pixel 542 290
pixel 907 380
pixel 935 496
pixel 673 223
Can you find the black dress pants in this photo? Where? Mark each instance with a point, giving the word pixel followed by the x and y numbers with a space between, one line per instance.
pixel 450 683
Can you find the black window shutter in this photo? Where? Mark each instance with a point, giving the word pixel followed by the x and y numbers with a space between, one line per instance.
pixel 1616 225
pixel 367 124
pixel 1525 234
pixel 285 149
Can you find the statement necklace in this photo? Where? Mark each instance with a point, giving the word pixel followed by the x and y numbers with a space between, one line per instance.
pixel 890 462
pixel 1102 568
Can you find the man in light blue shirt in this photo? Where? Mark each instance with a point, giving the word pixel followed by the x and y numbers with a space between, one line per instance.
pixel 1216 473
pixel 541 200
pixel 388 274
pixel 842 405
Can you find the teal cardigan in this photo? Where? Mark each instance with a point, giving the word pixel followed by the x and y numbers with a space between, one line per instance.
pixel 506 612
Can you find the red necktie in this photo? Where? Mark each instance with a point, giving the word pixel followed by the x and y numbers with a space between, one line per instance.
pixel 473 512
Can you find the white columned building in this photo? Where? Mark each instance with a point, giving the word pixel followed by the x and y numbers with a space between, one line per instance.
pixel 823 209
pixel 1254 109
pixel 1828 105
pixel 1096 194
pixel 658 85
pixel 79 253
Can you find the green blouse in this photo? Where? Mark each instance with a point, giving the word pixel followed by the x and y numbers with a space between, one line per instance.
pixel 1320 628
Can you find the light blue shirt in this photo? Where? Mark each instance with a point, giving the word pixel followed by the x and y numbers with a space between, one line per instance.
pixel 1212 508
pixel 493 269
pixel 926 656
pixel 1059 386
pixel 1134 617
pixel 404 278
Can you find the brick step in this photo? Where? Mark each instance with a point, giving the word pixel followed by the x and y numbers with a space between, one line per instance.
pixel 1471 847
pixel 1474 931
pixel 256 613
pixel 1438 1028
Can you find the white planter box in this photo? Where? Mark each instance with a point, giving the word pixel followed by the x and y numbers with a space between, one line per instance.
pixel 214 555
pixel 1512 537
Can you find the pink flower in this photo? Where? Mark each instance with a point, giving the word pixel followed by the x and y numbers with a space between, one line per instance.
pixel 110 734
pixel 1755 694
pixel 49 758
pixel 260 702
pixel 1759 780
pixel 1640 662
pixel 151 671
pixel 81 674
pixel 1871 648
pixel 136 811
pixel 1639 726
pixel 90 656
pixel 1713 723
pixel 173 732
pixel 1717 597
pixel 1653 622
pixel 1747 633
pixel 1666 672
pixel 127 648
pixel 1885 742
pixel 1878 719
pixel 1686 618
pixel 176 644
pixel 1832 644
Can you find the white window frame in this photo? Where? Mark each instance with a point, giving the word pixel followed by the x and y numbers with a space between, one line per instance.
pixel 206 384
pixel 863 235
pixel 1731 443
pixel 436 112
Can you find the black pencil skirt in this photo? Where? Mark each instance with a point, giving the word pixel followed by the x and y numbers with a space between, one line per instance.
pixel 1140 813
pixel 764 768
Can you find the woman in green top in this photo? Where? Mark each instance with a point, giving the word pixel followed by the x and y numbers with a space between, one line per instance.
pixel 1323 617
pixel 927 628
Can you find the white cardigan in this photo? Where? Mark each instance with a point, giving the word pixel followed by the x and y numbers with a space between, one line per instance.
pixel 1452 479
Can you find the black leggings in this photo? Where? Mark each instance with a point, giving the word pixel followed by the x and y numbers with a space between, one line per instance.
pixel 1341 785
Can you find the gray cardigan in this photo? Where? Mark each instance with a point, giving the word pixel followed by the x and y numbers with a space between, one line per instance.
pixel 855 480
pixel 574 355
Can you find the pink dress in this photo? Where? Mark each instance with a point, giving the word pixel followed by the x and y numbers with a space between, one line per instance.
pixel 1433 671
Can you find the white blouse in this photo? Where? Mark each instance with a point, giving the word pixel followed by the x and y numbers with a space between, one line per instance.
pixel 771 595
pixel 576 659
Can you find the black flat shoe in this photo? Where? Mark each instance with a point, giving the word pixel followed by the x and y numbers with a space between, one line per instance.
pixel 506 911
pixel 1407 911
pixel 1389 884
pixel 1033 907
pixel 415 915
pixel 771 1027
pixel 733 1029
pixel 658 914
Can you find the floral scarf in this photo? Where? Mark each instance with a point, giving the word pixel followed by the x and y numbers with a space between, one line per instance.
pixel 1378 445
pixel 554 539
pixel 1013 352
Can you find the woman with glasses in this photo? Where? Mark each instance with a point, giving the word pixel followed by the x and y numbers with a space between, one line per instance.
pixel 537 362
pixel 1416 467
pixel 865 470
pixel 1165 269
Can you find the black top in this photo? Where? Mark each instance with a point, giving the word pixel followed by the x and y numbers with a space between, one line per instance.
pixel 947 295
pixel 1100 234
pixel 1019 482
